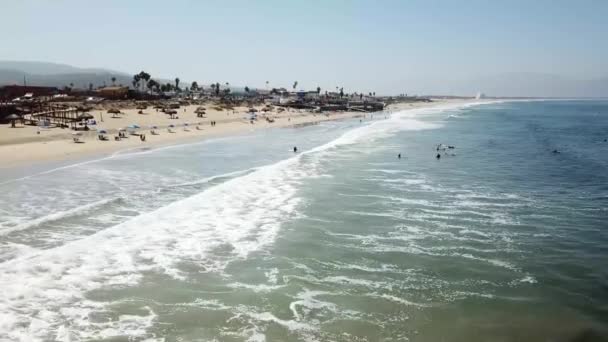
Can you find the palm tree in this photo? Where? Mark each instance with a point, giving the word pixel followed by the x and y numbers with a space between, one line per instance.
pixel 177 83
pixel 318 90
pixel 145 77
pixel 295 84
pixel 113 80
pixel 194 85
pixel 246 89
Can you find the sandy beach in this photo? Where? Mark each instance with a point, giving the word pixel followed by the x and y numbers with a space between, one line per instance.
pixel 24 145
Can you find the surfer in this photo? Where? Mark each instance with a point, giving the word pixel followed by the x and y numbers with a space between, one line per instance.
pixel 438 156
pixel 399 156
pixel 295 149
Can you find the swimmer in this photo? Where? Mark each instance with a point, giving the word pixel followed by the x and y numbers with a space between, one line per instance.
pixel 438 156
pixel 295 149
pixel 399 156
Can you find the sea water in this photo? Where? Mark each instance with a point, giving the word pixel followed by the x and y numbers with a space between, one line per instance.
pixel 503 238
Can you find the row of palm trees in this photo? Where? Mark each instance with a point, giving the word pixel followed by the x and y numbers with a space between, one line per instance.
pixel 143 80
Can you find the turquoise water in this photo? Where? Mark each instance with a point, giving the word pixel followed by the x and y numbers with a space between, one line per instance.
pixel 240 239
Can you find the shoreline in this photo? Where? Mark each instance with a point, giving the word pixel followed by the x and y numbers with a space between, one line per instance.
pixel 33 149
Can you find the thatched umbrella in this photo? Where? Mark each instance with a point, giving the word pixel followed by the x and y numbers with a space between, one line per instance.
pixel 85 116
pixel 142 107
pixel 113 111
pixel 253 110
pixel 83 108
pixel 13 117
pixel 170 111
pixel 266 109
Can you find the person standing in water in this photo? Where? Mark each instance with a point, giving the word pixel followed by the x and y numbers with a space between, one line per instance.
pixel 295 149
pixel 399 156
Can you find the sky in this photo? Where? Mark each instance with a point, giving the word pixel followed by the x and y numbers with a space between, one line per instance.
pixel 384 46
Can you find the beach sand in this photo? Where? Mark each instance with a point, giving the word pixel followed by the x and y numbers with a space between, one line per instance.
pixel 23 145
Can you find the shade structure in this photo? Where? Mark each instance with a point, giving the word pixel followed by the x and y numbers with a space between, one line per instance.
pixel 13 117
pixel 85 116
pixel 113 111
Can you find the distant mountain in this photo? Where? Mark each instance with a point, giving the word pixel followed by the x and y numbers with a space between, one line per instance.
pixel 45 68
pixel 58 75
pixel 534 85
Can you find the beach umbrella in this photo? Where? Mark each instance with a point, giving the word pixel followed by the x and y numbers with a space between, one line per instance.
pixel 134 126
pixel 142 107
pixel 83 108
pixel 13 117
pixel 76 134
pixel 265 109
pixel 171 111
pixel 122 129
pixel 102 131
pixel 85 116
pixel 172 125
pixel 253 110
pixel 153 127
pixel 113 111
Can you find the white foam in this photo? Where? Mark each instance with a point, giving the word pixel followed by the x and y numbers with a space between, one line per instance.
pixel 237 217
pixel 307 301
pixel 399 300
pixel 83 209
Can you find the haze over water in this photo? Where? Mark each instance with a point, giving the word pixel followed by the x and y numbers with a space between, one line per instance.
pixel 239 238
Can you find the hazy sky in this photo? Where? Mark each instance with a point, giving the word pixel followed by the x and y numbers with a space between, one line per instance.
pixel 384 46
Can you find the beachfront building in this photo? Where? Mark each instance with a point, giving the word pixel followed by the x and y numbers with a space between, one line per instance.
pixel 113 93
pixel 11 92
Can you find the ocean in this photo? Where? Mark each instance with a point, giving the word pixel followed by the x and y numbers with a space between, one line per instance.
pixel 503 238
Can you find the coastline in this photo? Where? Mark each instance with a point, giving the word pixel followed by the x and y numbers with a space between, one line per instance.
pixel 26 147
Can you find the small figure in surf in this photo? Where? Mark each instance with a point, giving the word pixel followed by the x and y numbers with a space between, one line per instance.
pixel 399 156
pixel 438 156
pixel 295 149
